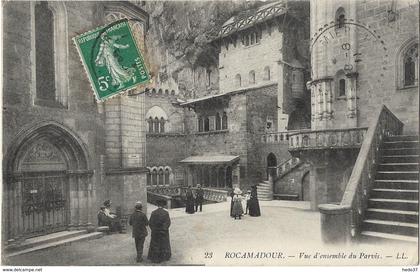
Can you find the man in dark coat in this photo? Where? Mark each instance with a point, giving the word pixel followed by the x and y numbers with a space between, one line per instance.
pixel 139 222
pixel 199 197
pixel 160 246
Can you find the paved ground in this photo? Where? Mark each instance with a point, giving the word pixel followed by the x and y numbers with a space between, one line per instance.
pixel 286 227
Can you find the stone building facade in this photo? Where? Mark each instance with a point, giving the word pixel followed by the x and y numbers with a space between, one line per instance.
pixel 64 153
pixel 364 55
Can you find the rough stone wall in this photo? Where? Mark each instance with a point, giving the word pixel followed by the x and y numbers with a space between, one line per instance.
pixel 377 75
pixel 243 59
pixel 291 183
pixel 377 68
pixel 19 112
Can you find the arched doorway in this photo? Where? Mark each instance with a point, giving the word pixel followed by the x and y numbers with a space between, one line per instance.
pixel 47 167
pixel 305 187
pixel 271 166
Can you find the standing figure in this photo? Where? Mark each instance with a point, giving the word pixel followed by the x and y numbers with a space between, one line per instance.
pixel 189 203
pixel 247 198
pixel 106 57
pixel 160 246
pixel 199 197
pixel 232 194
pixel 237 204
pixel 139 222
pixel 254 206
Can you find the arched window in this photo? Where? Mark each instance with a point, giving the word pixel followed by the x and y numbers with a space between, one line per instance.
pixel 200 124
pixel 340 84
pixel 340 17
pixel 267 75
pixel 206 124
pixel 410 66
pixel 149 179
pixel 218 122
pixel 167 176
pixel 150 124
pixel 252 77
pixel 342 87
pixel 156 125
pixel 224 121
pixel 44 53
pixel 162 125
pixel 161 177
pixel 238 82
pixel 154 177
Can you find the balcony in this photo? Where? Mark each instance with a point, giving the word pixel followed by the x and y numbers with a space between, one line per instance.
pixel 279 137
pixel 327 139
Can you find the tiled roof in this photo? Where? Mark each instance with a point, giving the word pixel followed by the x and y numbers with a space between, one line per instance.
pixel 249 18
pixel 210 159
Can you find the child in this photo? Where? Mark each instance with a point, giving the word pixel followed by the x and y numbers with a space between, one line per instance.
pixel 247 198
pixel 237 203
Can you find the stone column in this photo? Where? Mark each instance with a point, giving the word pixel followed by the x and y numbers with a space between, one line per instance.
pixel 352 99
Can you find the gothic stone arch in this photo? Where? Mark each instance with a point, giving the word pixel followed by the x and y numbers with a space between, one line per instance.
pixel 47 186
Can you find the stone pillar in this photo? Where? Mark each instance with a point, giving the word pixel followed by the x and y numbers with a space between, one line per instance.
pixel 335 223
pixel 352 99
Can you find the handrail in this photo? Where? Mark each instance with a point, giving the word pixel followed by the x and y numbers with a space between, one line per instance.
pixel 356 194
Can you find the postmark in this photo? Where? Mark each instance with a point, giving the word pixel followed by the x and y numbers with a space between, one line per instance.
pixel 349 55
pixel 112 59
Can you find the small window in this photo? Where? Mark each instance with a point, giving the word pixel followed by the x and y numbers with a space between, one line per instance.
pixel 149 179
pixel 238 80
pixel 342 87
pixel 340 17
pixel 252 77
pixel 218 122
pixel 410 66
pixel 156 125
pixel 224 121
pixel 154 177
pixel 200 125
pixel 206 124
pixel 167 182
pixel 150 123
pixel 162 125
pixel 161 177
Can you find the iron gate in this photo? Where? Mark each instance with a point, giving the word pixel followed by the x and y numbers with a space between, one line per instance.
pixel 44 203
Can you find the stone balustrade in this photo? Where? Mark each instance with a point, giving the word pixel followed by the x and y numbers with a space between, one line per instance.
pixel 330 138
pixel 286 166
pixel 342 222
pixel 279 137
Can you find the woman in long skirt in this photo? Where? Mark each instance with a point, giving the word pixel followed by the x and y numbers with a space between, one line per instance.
pixel 237 209
pixel 254 206
pixel 160 246
pixel 189 203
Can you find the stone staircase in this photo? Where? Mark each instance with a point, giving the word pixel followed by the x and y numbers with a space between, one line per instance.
pixel 50 241
pixel 265 190
pixel 392 212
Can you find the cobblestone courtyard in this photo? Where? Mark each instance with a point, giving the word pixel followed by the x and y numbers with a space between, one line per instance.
pixel 213 234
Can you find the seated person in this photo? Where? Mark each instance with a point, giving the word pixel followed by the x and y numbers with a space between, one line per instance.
pixel 103 219
pixel 110 218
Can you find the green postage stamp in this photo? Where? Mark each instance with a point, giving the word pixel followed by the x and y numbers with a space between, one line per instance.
pixel 112 59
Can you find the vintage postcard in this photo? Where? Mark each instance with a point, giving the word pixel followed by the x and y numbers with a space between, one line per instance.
pixel 210 133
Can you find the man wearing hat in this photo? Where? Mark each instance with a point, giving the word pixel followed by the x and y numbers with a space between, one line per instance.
pixel 139 222
pixel 160 245
pixel 199 197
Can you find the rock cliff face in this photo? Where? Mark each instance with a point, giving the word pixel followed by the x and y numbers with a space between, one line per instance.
pixel 178 46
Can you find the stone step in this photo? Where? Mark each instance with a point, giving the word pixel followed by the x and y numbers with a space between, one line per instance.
pixel 400 158
pixel 400 151
pixel 49 238
pixel 397 184
pixel 395 193
pixel 398 166
pixel 393 227
pixel 399 144
pixel 402 138
pixel 397 215
pixel 387 236
pixel 393 204
pixel 264 186
pixel 404 175
pixel 68 241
